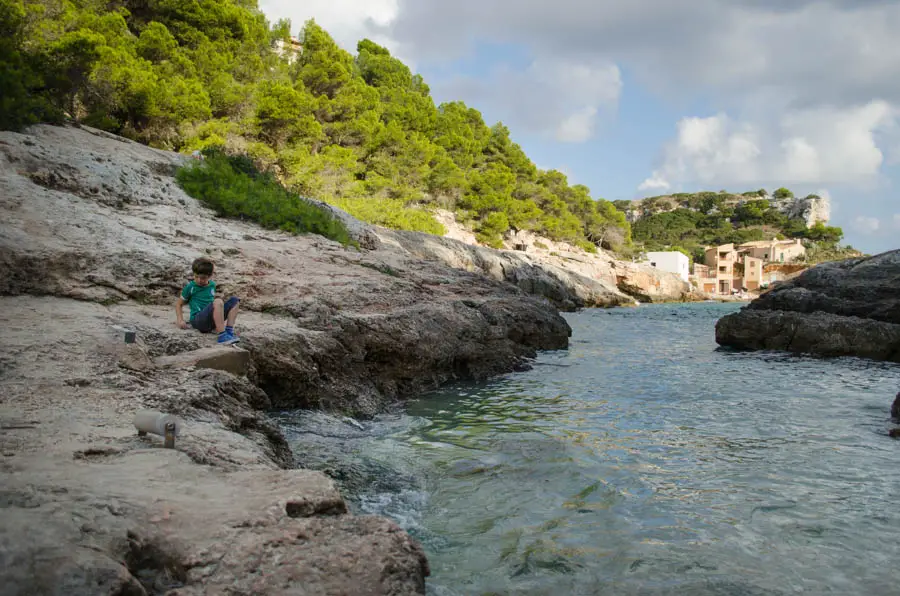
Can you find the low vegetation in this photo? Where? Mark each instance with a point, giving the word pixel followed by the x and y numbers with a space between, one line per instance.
pixel 234 187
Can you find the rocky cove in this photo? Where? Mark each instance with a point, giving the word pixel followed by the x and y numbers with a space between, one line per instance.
pixel 96 239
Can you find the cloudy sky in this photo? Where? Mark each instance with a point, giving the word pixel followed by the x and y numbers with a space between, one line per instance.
pixel 644 97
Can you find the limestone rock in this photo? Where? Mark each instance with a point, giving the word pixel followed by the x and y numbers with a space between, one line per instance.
pixel 134 357
pixel 595 279
pixel 365 360
pixel 332 555
pixel 228 358
pixel 812 209
pixel 847 308
pixel 163 525
pixel 565 287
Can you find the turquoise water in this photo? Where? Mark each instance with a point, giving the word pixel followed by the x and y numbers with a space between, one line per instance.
pixel 643 460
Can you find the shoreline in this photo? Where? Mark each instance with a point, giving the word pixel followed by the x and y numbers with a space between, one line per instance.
pixel 98 239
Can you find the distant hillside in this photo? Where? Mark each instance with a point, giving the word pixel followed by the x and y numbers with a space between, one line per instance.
pixel 690 221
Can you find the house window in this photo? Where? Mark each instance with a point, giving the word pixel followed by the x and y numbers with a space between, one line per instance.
pixel 723 269
pixel 653 264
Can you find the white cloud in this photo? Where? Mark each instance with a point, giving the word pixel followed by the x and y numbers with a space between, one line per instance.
pixel 811 146
pixel 564 101
pixel 578 127
pixel 866 225
pixel 803 52
pixel 348 21
pixel 655 182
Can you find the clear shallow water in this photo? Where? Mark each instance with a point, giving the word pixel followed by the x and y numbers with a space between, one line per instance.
pixel 643 460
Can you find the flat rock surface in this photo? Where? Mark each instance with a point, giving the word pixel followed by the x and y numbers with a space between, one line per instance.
pixel 845 308
pixel 88 507
pixel 228 358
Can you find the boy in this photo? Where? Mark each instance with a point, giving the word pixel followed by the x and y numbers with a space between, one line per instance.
pixel 207 311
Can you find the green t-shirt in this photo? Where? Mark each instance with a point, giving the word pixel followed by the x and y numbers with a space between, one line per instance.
pixel 198 297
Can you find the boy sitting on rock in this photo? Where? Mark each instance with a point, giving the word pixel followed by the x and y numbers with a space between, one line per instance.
pixel 207 311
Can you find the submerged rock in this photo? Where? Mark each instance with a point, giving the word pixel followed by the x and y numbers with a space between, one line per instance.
pixel 845 308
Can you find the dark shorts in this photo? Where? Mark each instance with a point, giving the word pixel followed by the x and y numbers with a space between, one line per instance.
pixel 203 321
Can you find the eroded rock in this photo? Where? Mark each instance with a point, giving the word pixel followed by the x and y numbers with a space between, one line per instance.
pixel 846 308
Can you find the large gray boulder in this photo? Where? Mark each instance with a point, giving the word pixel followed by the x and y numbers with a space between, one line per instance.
pixel 844 308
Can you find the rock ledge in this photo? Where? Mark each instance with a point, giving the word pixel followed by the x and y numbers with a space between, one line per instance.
pixel 845 308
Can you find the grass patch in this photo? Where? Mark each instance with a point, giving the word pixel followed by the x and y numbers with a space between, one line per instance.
pixel 381 268
pixel 390 213
pixel 233 187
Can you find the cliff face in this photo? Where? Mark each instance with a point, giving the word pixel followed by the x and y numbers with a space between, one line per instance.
pixel 597 279
pixel 845 308
pixel 811 209
pixel 97 238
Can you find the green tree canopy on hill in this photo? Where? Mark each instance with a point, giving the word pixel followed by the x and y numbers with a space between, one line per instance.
pixel 706 219
pixel 359 130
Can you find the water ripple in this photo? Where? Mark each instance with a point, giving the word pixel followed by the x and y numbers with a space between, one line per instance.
pixel 644 460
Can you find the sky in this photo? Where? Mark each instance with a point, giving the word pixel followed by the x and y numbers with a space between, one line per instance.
pixel 649 97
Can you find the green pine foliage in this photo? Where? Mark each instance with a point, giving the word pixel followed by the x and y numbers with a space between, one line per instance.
pixel 233 187
pixel 692 221
pixel 359 131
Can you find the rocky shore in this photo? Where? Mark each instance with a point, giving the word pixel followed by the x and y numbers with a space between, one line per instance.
pixel 845 308
pixel 96 239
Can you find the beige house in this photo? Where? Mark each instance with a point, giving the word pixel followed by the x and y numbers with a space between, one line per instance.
pixel 704 278
pixel 753 272
pixel 730 269
pixel 721 260
pixel 775 251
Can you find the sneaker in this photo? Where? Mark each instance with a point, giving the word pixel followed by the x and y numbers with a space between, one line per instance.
pixel 226 339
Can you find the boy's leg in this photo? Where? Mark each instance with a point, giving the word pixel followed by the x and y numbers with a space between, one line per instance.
pixel 231 310
pixel 203 320
pixel 219 315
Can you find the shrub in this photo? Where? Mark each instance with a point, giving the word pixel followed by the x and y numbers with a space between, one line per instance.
pixel 586 246
pixel 233 187
pixel 390 213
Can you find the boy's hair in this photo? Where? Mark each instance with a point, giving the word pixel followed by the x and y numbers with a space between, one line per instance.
pixel 202 266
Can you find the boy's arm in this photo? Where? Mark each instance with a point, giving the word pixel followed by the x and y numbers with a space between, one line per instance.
pixel 179 315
